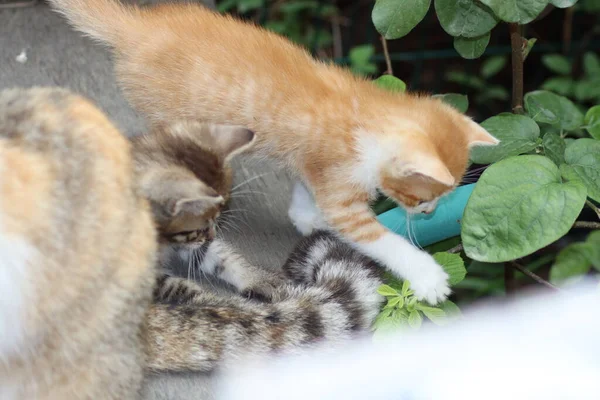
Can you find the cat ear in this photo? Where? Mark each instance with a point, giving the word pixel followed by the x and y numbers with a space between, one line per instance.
pixel 232 140
pixel 421 160
pixel 196 205
pixel 478 136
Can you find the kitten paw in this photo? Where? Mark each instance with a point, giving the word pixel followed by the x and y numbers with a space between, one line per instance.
pixel 429 281
pixel 303 211
pixel 264 289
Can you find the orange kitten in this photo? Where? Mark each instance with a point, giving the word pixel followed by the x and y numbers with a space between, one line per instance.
pixel 344 137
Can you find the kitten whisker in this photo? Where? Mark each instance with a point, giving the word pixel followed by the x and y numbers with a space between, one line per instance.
pixel 249 180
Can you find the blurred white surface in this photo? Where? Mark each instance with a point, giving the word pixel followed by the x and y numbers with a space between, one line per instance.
pixel 541 346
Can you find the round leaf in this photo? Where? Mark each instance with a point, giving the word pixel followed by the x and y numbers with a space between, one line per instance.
pixel 550 108
pixel 390 83
pixel 591 63
pixel 521 11
pixel 554 147
pixel 582 158
pixel 557 63
pixel 518 134
pixel 592 122
pixel 467 18
pixel 492 66
pixel 563 3
pixel 454 266
pixel 518 206
pixel 572 262
pixel 395 19
pixel 451 310
pixel 458 101
pixel 471 48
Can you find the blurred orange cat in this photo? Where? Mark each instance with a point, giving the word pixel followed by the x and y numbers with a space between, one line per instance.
pixel 344 137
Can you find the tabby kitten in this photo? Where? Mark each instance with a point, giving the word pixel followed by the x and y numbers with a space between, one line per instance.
pixel 344 137
pixel 184 171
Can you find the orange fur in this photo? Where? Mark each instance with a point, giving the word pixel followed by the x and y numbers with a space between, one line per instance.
pixel 185 62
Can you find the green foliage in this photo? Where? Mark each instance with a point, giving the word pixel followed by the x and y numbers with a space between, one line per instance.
pixel 550 108
pixel 519 11
pixel 592 122
pixel 582 164
pixel 391 83
pixel 458 101
pixel 518 134
pixel 485 91
pixel 360 60
pixel 519 205
pixel 471 48
pixel 465 18
pixel 289 18
pixel 395 19
pixel 403 311
pixel 585 89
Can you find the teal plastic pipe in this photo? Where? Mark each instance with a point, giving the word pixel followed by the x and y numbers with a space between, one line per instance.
pixel 427 229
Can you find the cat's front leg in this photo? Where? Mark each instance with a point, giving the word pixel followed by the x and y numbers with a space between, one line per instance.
pixel 251 281
pixel 355 221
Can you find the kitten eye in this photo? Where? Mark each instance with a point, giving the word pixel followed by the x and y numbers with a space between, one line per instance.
pixel 420 203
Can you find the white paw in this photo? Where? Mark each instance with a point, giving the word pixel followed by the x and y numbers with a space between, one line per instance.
pixel 303 212
pixel 428 279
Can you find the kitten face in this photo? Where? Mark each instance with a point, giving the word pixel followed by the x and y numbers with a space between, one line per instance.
pixel 430 158
pixel 185 172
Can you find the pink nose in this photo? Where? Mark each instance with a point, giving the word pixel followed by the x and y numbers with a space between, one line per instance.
pixel 426 211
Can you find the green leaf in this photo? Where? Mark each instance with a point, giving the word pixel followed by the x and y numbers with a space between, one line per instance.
pixel 587 89
pixel 226 5
pixel 415 319
pixel 360 59
pixel 387 291
pixel 492 66
pixel 521 11
pixel 557 63
pixel 582 159
pixel 454 266
pixel 563 3
pixel 572 263
pixel 591 64
pixel 411 305
pixel 518 134
pixel 592 122
pixel 471 48
pixel 593 240
pixel 528 47
pixel 562 85
pixel 495 92
pixel 550 108
pixel 248 5
pixel 467 18
pixel 395 19
pixel 451 310
pixel 390 83
pixel 396 302
pixel 458 101
pixel 554 147
pixel 436 315
pixel 519 205
pixel 405 288
pixel 591 6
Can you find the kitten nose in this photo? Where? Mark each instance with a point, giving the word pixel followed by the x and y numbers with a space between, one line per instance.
pixel 426 211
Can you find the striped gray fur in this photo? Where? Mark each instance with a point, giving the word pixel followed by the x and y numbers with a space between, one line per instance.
pixel 328 295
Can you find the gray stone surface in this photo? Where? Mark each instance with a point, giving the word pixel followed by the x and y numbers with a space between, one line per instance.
pixel 58 56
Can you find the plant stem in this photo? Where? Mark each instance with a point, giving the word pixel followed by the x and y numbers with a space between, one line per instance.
pixel 386 54
pixel 516 44
pixel 593 207
pixel 587 225
pixel 567 29
pixel 533 276
pixel 456 249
